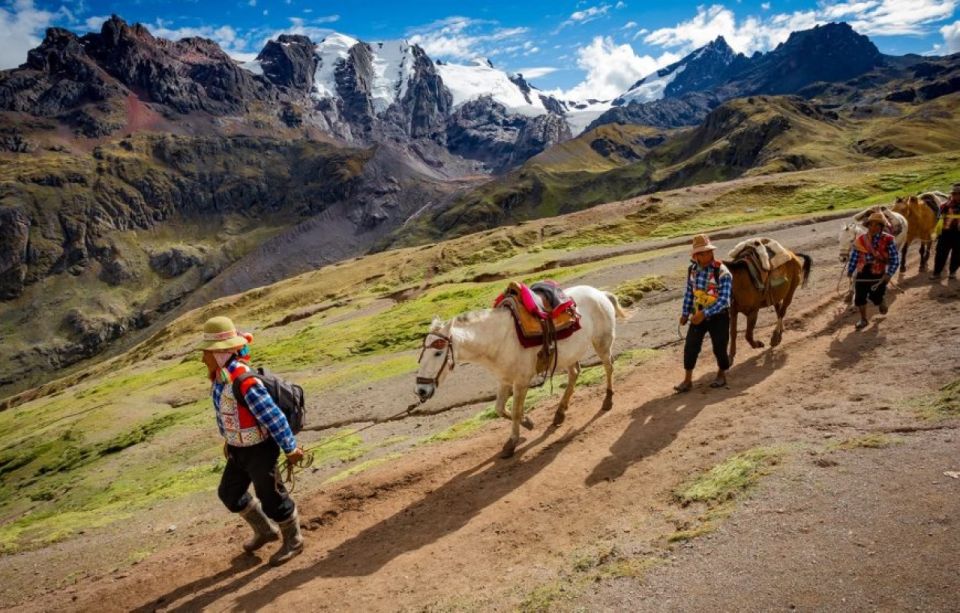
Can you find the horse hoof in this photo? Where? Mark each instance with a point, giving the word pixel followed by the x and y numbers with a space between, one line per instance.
pixel 775 341
pixel 527 423
pixel 508 449
pixel 558 419
pixel 607 401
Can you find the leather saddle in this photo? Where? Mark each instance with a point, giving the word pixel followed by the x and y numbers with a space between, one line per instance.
pixel 763 280
pixel 542 315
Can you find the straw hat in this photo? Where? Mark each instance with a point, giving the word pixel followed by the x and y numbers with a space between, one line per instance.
pixel 877 217
pixel 701 243
pixel 219 334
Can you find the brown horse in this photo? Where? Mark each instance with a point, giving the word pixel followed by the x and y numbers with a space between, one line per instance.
pixel 781 284
pixel 922 213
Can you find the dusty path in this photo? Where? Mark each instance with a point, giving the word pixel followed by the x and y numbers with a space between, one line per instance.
pixel 451 526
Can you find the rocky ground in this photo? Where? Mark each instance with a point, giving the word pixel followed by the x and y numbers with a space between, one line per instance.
pixel 855 513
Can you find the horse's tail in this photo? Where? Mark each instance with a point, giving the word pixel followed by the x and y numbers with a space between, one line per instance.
pixel 807 267
pixel 621 314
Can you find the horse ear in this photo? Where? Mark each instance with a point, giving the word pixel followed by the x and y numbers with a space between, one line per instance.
pixel 436 324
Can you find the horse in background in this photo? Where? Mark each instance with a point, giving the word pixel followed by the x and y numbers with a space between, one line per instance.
pixel 922 213
pixel 853 228
pixel 778 289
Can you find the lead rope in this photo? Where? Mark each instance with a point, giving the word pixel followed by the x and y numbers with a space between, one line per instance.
pixel 287 471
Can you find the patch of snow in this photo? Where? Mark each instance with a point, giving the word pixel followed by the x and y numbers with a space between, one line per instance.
pixel 393 66
pixel 252 66
pixel 581 114
pixel 330 51
pixel 651 87
pixel 472 81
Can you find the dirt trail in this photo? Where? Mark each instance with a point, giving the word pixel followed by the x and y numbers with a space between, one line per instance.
pixel 451 526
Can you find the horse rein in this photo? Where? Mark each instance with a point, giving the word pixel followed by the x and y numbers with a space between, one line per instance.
pixel 442 342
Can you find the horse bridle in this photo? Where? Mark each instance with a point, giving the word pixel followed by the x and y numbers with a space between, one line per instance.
pixel 441 342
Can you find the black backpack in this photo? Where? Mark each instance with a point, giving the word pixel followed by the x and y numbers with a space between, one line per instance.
pixel 288 396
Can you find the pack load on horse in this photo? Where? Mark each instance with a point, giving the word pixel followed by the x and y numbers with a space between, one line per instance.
pixel 765 274
pixel 896 226
pixel 922 213
pixel 497 339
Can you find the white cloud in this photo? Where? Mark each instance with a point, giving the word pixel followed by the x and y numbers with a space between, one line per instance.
pixel 951 37
pixel 629 25
pixel 95 23
pixel 252 3
pixel 749 35
pixel 897 17
pixel 464 38
pixel 536 72
pixel 587 15
pixel 621 5
pixel 21 28
pixel 611 69
pixel 266 12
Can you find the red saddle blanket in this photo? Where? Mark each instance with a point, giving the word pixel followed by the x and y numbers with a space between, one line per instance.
pixel 539 311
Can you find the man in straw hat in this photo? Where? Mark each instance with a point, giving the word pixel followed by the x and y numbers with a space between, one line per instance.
pixel 254 430
pixel 706 306
pixel 873 261
pixel 949 241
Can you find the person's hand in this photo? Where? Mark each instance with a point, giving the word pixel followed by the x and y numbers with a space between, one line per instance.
pixel 697 318
pixel 684 319
pixel 295 456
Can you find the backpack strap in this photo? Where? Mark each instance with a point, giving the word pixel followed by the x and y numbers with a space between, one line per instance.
pixel 242 384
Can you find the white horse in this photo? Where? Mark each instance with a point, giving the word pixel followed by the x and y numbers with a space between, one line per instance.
pixel 850 230
pixel 488 337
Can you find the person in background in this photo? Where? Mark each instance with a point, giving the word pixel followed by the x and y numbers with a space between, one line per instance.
pixel 949 241
pixel 873 261
pixel 706 306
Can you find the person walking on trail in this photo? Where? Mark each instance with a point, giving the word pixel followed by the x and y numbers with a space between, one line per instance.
pixel 254 431
pixel 873 261
pixel 706 306
pixel 949 241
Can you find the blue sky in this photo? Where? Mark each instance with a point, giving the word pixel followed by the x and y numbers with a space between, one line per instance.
pixel 585 48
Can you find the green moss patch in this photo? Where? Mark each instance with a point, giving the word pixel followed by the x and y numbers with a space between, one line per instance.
pixel 729 478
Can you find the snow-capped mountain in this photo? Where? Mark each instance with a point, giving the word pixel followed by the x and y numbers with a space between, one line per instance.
pixel 702 69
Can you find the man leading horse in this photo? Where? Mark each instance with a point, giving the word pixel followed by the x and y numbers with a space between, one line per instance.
pixel 873 261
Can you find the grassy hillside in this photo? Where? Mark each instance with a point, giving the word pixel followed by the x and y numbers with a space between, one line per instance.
pixel 135 432
pixel 120 235
pixel 744 137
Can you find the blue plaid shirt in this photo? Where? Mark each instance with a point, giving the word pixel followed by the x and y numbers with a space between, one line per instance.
pixel 701 281
pixel 264 409
pixel 893 257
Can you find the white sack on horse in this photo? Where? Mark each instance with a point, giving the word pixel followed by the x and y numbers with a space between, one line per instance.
pixel 761 245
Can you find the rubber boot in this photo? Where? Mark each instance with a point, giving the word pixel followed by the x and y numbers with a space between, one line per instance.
pixel 292 541
pixel 263 530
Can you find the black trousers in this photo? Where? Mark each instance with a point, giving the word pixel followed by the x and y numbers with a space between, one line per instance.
pixel 947 244
pixel 256 465
pixel 718 327
pixel 863 283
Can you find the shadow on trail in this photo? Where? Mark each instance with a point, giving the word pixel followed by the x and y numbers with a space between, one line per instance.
pixel 238 565
pixel 657 422
pixel 440 512
pixel 846 352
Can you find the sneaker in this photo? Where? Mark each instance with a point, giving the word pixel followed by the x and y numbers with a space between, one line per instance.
pixel 883 307
pixel 935 276
pixel 863 323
